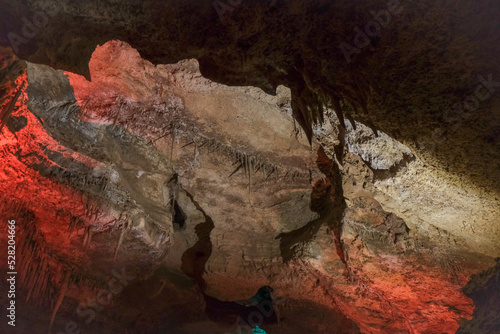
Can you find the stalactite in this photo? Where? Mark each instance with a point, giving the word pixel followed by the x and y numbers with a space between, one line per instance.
pixel 9 108
pixel 190 143
pixel 43 280
pixel 117 115
pixel 90 233
pixel 259 165
pixel 85 105
pixel 249 174
pixel 85 236
pixel 120 240
pixel 33 280
pixel 186 130
pixel 237 169
pixel 173 142
pixel 60 298
pixel 270 173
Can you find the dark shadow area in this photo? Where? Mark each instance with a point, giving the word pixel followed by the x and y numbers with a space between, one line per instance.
pixel 484 289
pixel 328 201
pixel 179 218
pixel 16 123
pixel 258 310
pixel 195 258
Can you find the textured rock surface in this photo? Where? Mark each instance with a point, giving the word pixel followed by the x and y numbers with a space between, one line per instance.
pixel 431 202
pixel 408 79
pixel 133 187
pixel 204 193
pixel 184 205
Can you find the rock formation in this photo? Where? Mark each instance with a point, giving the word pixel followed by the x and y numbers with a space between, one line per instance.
pixel 210 167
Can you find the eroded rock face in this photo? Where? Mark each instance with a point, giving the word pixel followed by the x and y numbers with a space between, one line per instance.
pixel 416 79
pixel 432 203
pixel 193 195
pixel 158 180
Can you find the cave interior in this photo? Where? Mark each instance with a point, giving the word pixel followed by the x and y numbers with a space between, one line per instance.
pixel 250 166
